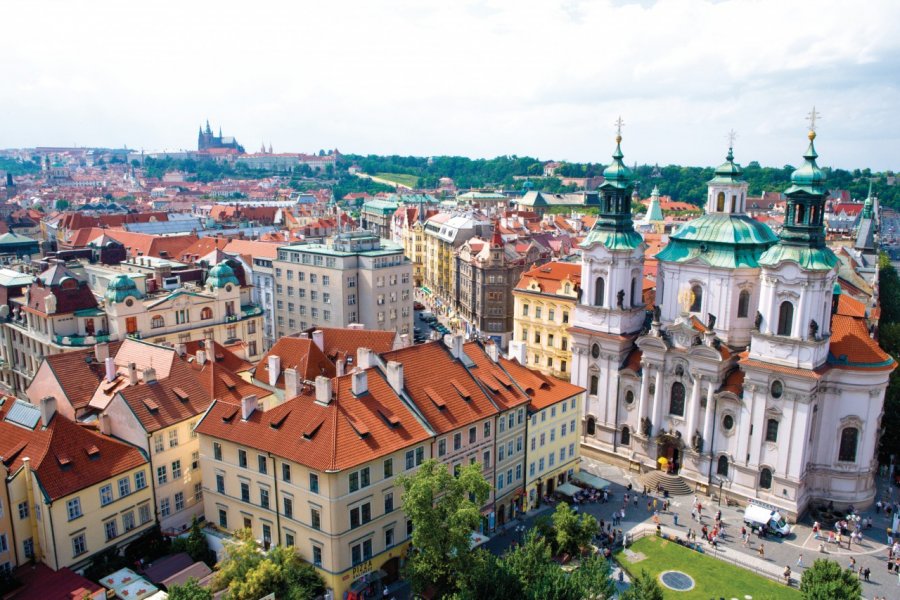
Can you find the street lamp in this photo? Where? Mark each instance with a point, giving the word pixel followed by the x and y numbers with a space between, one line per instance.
pixel 721 481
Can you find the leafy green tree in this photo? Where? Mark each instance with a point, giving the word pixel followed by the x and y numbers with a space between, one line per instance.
pixel 590 580
pixel 195 544
pixel 526 561
pixel 444 510
pixel 643 587
pixel 573 530
pixel 241 557
pixel 826 580
pixel 488 578
pixel 189 590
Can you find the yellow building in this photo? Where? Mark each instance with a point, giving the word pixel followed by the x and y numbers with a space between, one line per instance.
pixel 72 492
pixel 444 234
pixel 408 229
pixel 317 473
pixel 545 300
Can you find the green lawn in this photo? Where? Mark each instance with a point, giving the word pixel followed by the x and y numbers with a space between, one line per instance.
pixel 401 178
pixel 713 578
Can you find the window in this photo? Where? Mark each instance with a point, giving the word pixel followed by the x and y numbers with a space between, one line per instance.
pixel 158 444
pixel 524 310
pixel 501 453
pixel 595 384
pixel 176 469
pixel 565 319
pixel 23 506
pixel 198 492
pixel 157 321
pixel 849 439
pixel 192 426
pixel 785 318
pixel 288 539
pixel 206 313
pixel 591 426
pixel 420 455
pixel 625 437
pixel 595 351
pixel 777 389
pixel 743 304
pixel 676 402
pixel 173 438
pixel 359 479
pixel 486 459
pixel 79 546
pixel 388 537
pixel 722 466
pixel 217 450
pixel 223 518
pixel 220 483
pixel 195 460
pixel 772 430
pixel 562 433
pixel 360 515
pixel 388 502
pixel 317 556
pixel 262 463
pixel 315 518
pixel 765 479
pixel 165 507
pixel 124 487
pixel 629 397
pixel 73 507
pixel 720 202
pixel 140 480
pixel 144 513
pixel 361 552
pixel 264 497
pixel 599 291
pixel 487 428
pixel 106 497
pixel 500 481
pixel 179 501
pixel 286 472
pixel 245 491
pixel 696 298
pixel 511 420
pixel 728 422
pixel 457 441
pixel 388 468
pixel 473 435
pixel 314 483
pixel 242 458
pixel 552 459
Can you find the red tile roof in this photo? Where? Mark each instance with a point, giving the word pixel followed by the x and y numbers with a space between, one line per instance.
pixel 65 456
pixel 223 355
pixel 501 388
pixel 296 353
pixel 851 307
pixel 349 431
pixel 633 360
pixel 734 383
pixel 339 341
pixel 852 347
pixel 543 390
pixel 551 276
pixel 40 581
pixel 77 377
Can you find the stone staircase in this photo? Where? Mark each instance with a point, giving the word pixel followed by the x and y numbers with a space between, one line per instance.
pixel 675 485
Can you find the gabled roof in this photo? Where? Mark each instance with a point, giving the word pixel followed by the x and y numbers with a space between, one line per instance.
pixel 501 388
pixel 169 400
pixel 221 354
pixel 77 377
pixel 339 341
pixel 851 346
pixel 349 431
pixel 542 390
pixel 66 457
pixel 295 353
pixel 550 276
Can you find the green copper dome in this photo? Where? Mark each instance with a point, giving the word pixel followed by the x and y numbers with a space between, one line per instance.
pixel 720 240
pixel 809 177
pixel 617 174
pixel 220 275
pixel 729 171
pixel 120 288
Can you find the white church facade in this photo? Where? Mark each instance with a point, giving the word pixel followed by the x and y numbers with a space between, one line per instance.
pixel 746 376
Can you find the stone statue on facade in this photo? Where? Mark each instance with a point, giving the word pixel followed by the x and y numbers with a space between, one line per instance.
pixel 646 426
pixel 710 321
pixel 697 441
pixel 813 330
pixel 657 313
pixel 758 321
pixel 620 299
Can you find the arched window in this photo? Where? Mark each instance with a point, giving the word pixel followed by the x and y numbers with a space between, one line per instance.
pixel 157 321
pixel 785 318
pixel 720 202
pixel 772 430
pixel 629 397
pixel 801 214
pixel 676 402
pixel 743 304
pixel 599 291
pixel 849 440
pixel 206 313
pixel 722 466
pixel 733 204
pixel 595 381
pixel 625 438
pixel 765 479
pixel 595 351
pixel 591 426
pixel 696 298
pixel 635 292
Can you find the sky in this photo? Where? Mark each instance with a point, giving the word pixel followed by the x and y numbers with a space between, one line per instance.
pixel 544 78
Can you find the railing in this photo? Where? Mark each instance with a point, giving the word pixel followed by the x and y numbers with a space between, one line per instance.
pixel 80 340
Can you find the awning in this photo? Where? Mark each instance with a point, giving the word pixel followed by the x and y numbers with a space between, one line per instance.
pixel 595 482
pixel 425 290
pixel 476 539
pixel 568 489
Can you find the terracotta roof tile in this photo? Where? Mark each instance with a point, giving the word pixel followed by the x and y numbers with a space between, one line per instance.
pixel 852 347
pixel 296 353
pixel 633 360
pixel 339 341
pixel 77 377
pixel 550 276
pixel 502 389
pixel 542 390
pixel 851 307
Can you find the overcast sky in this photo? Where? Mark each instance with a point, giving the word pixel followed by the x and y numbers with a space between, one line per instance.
pixel 541 78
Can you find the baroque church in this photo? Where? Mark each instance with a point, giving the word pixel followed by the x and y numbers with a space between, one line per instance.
pixel 747 377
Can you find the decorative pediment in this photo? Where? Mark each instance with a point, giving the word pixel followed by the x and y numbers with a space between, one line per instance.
pixel 671 437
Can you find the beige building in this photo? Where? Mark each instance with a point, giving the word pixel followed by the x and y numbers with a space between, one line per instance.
pixel 318 473
pixel 545 299
pixel 408 230
pixel 71 492
pixel 444 234
pixel 356 278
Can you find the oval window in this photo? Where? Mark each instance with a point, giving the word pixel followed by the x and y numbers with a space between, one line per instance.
pixel 777 389
pixel 595 351
pixel 629 397
pixel 228 288
pixel 129 302
pixel 728 422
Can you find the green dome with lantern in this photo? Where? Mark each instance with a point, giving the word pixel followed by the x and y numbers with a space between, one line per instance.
pixel 121 287
pixel 220 275
pixel 729 171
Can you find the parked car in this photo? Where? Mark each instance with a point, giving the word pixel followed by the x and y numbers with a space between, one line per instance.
pixel 418 305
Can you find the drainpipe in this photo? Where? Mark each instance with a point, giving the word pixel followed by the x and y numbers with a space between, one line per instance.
pixel 275 483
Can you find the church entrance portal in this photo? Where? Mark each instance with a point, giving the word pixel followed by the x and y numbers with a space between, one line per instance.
pixel 668 457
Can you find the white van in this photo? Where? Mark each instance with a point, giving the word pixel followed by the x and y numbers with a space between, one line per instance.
pixel 755 516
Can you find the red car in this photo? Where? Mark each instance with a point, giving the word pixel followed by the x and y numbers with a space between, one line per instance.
pixel 418 305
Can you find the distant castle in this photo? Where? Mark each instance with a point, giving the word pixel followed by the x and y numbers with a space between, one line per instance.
pixel 207 141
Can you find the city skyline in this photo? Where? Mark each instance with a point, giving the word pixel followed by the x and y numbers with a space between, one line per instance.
pixel 473 79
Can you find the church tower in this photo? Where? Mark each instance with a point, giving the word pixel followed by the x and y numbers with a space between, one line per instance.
pixel 610 311
pixel 798 275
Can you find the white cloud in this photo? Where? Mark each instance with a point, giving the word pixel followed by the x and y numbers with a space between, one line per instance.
pixel 479 78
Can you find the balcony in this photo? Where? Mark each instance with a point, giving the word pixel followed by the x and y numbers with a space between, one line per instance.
pixel 80 340
pixel 251 310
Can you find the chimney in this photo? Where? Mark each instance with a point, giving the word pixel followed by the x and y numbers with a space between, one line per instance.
pixel 404 340
pixel 318 338
pixel 454 341
pixel 360 382
pixel 248 405
pixel 323 390
pixel 48 409
pixel 101 352
pixel 517 351
pixel 105 424
pixel 132 374
pixel 492 350
pixel 364 358
pixel 356 326
pixel 291 384
pixel 110 363
pixel 201 357
pixel 149 375
pixel 210 348
pixel 274 366
pixel 180 349
pixel 341 367
pixel 395 375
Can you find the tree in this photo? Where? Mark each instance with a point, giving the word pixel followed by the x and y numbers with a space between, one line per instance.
pixel 526 561
pixel 195 544
pixel 488 578
pixel 444 510
pixel 643 587
pixel 189 590
pixel 826 580
pixel 590 580
pixel 573 531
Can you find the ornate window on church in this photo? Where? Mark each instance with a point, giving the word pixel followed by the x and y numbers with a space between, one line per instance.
pixel 765 479
pixel 599 291
pixel 625 436
pixel 595 351
pixel 157 321
pixel 629 398
pixel 595 381
pixel 696 298
pixel 722 466
pixel 591 426
pixel 777 389
pixel 635 292
pixel 743 304
pixel 849 442
pixel 772 430
pixel 676 402
pixel 785 318
pixel 728 422
pixel 720 202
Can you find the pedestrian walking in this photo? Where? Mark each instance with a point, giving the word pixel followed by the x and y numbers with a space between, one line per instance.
pixel 866 572
pixel 853 563
pixel 655 501
pixel 816 529
pixel 675 518
pixel 649 506
pixel 800 561
pixel 762 551
pixel 878 507
pixel 693 514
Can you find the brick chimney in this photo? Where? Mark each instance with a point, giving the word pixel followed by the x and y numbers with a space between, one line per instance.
pixel 318 338
pixel 360 382
pixel 48 409
pixel 395 375
pixel 323 390
pixel 291 384
pixel 248 405
pixel 274 366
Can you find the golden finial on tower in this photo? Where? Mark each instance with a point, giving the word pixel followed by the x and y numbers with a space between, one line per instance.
pixel 731 136
pixel 812 117
pixel 619 125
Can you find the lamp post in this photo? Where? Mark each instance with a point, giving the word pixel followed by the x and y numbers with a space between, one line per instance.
pixel 721 481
